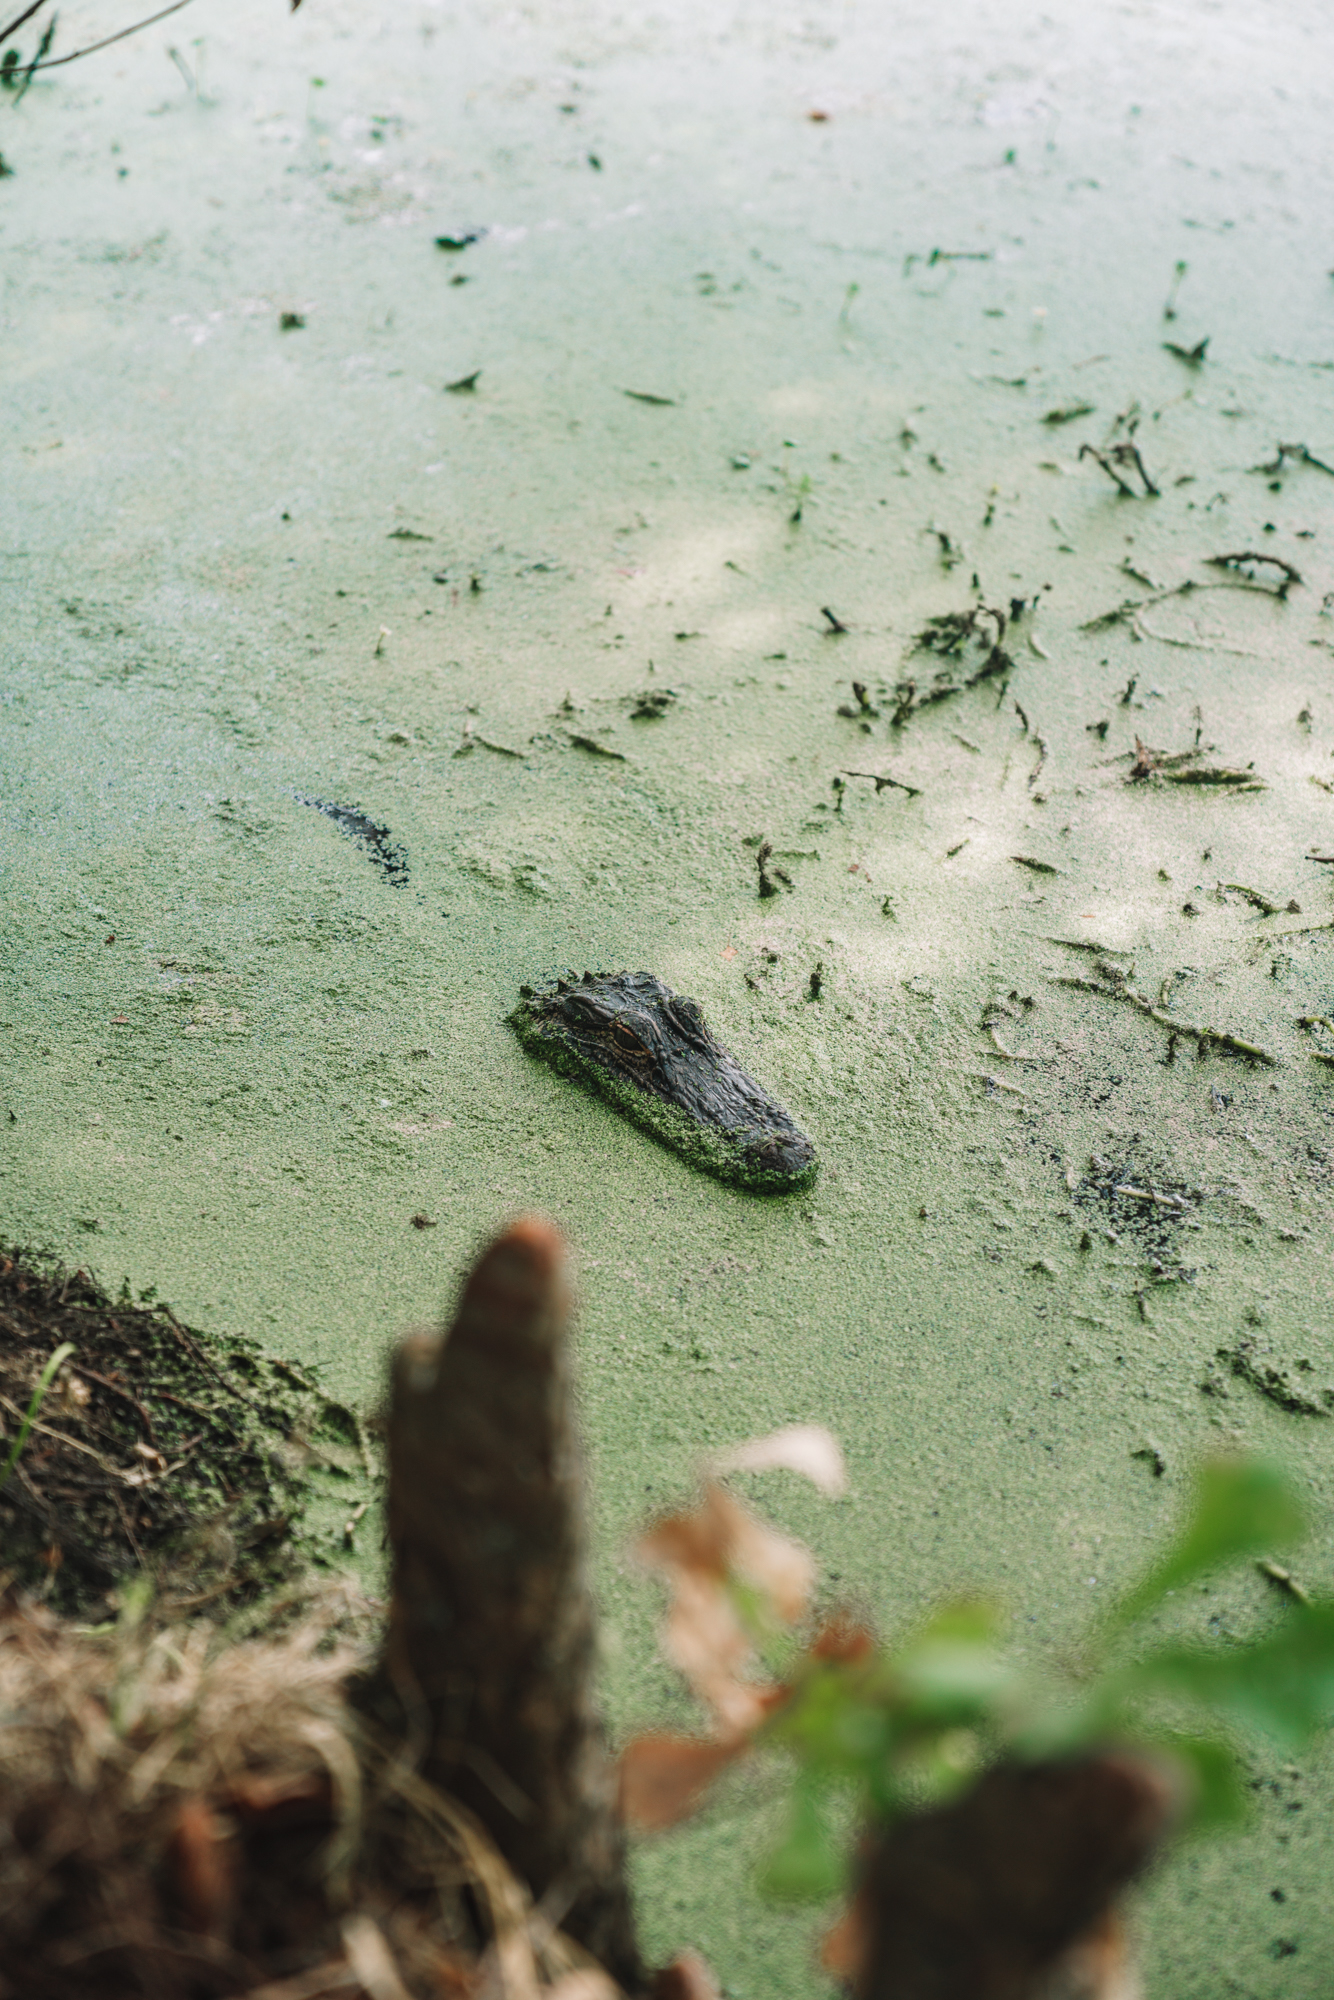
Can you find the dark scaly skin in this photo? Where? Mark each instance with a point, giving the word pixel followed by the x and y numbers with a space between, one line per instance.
pixel 650 1051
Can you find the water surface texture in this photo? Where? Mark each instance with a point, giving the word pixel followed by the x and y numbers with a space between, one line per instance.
pixel 651 378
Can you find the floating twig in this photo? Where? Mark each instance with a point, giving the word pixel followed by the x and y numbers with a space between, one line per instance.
pixel 1127 612
pixel 58 62
pixel 1312 1022
pixel 589 743
pixel 1243 779
pixel 768 885
pixel 12 27
pixel 1234 561
pixel 1173 1201
pixel 882 783
pixel 1299 454
pixel 947 635
pixel 1010 1055
pixel 994 1083
pixel 1088 944
pixel 1205 1037
pixel 48 36
pixel 1179 272
pixel 950 632
pixel 1126 453
pixel 1192 356
pixel 1259 901
pixel 1068 413
pixel 1142 631
pixel 1180 768
pixel 1285 1580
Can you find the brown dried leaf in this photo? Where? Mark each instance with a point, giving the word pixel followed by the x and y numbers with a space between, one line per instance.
pixel 781 1569
pixel 843 1639
pixel 663 1778
pixel 705 1635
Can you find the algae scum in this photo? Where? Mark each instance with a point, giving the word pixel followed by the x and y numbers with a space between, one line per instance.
pixel 485 493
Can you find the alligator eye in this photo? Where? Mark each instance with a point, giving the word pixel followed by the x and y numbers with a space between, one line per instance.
pixel 626 1040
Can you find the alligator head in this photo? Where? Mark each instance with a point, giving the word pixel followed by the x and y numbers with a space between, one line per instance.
pixel 651 1052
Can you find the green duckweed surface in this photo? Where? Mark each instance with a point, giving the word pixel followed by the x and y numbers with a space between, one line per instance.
pixel 744 374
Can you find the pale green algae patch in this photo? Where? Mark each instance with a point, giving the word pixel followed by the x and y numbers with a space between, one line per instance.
pixel 282 1061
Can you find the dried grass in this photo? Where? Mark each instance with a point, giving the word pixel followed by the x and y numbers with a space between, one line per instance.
pixel 184 1818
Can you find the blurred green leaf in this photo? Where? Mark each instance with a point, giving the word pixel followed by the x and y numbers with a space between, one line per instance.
pixel 1284 1684
pixel 807 1864
pixel 951 1674
pixel 837 1720
pixel 1242 1507
pixel 1218 1798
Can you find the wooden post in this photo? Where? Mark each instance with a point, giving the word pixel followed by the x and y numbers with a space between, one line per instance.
pixel 1008 1892
pixel 489 1660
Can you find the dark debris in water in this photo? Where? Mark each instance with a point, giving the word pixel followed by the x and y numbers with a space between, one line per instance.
pixel 1289 1385
pixel 652 703
pixel 388 854
pixel 1139 1202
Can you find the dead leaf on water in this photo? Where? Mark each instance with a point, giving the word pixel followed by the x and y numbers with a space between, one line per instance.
pixel 806 1448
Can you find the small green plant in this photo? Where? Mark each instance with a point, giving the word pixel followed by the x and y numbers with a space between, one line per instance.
pixel 888 1730
pixel 47 1377
pixel 798 493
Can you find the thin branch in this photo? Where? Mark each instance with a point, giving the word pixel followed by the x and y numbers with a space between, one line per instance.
pixel 1233 562
pixel 1297 452
pixel 1126 612
pixel 881 783
pixel 19 19
pixel 48 36
pixel 1116 455
pixel 1204 1036
pixel 57 62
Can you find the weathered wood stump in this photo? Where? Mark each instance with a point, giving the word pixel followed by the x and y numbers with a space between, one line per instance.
pixel 488 1667
pixel 1008 1893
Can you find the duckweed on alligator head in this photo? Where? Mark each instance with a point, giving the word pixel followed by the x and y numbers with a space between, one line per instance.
pixel 651 1053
